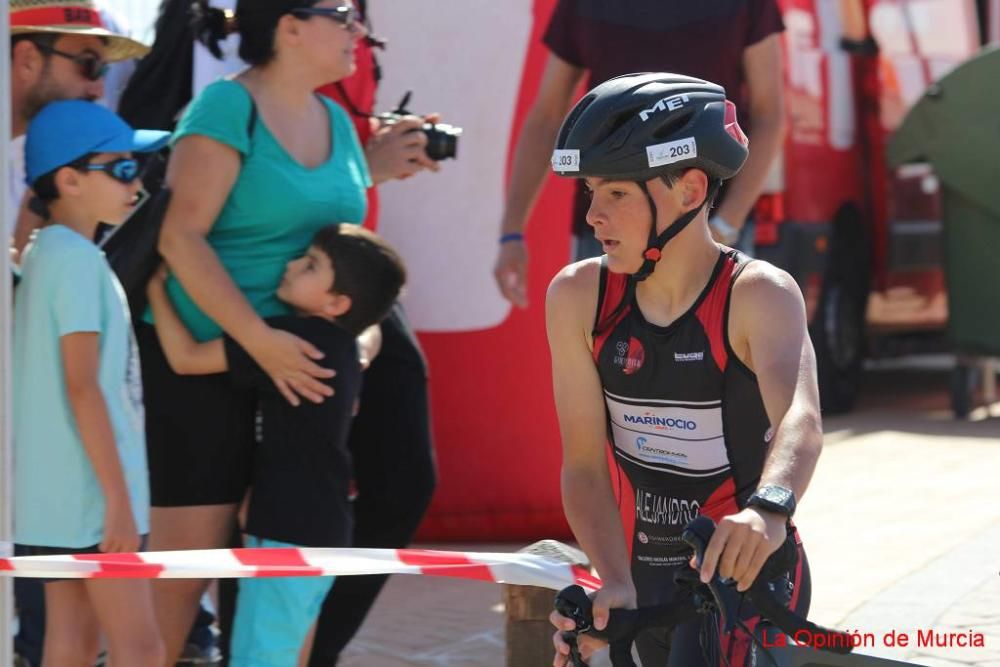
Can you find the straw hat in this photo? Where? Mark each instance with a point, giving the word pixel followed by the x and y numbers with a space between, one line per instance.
pixel 70 17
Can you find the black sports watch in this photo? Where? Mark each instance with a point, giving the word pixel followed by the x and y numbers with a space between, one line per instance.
pixel 774 498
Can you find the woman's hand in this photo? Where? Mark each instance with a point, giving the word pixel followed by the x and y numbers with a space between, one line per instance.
pixel 399 151
pixel 289 361
pixel 369 345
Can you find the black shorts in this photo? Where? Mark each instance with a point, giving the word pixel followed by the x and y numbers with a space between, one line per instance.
pixel 199 432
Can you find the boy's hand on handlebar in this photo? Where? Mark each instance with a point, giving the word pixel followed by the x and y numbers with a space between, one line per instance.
pixel 612 596
pixel 741 544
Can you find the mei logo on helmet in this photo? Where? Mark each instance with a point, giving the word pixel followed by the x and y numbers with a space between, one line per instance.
pixel 672 103
pixel 565 160
pixel 672 151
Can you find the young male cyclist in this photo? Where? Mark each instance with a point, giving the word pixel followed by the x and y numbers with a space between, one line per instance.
pixel 692 360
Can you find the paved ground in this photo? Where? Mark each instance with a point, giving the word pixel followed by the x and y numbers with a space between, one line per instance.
pixel 902 524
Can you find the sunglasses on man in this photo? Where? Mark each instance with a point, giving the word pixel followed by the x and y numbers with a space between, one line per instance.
pixel 345 15
pixel 92 67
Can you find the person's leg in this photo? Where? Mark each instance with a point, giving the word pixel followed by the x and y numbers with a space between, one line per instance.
pixel 274 615
pixel 199 442
pixel 394 470
pixel 124 610
pixel 228 591
pixel 72 636
pixel 177 600
pixel 29 599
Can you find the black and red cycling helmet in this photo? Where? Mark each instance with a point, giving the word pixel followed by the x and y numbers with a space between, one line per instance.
pixel 636 127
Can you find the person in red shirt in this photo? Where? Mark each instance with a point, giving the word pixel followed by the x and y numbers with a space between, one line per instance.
pixel 390 439
pixel 734 43
pixel 393 151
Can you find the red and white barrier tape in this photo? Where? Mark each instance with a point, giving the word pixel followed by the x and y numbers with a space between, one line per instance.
pixel 506 568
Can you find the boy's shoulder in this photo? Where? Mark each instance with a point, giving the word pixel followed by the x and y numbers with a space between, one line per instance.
pixel 328 336
pixel 57 247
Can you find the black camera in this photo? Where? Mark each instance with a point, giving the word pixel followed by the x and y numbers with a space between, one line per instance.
pixel 442 139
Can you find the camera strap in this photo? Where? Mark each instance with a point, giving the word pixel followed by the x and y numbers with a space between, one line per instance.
pixel 374 42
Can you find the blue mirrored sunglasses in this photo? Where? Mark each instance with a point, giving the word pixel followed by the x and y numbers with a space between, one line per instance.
pixel 124 170
pixel 344 15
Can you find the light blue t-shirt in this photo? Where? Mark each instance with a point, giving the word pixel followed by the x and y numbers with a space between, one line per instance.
pixel 276 205
pixel 67 287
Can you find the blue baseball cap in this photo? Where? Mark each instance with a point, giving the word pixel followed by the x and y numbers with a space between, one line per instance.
pixel 67 130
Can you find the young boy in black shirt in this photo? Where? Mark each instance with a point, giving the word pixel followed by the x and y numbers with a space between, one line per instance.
pixel 346 282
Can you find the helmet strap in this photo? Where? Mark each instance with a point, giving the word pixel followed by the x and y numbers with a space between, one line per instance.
pixel 654 249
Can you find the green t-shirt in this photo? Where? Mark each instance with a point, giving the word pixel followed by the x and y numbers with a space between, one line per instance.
pixel 276 204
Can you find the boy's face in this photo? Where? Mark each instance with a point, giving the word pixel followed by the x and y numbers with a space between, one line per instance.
pixel 619 214
pixel 101 190
pixel 307 285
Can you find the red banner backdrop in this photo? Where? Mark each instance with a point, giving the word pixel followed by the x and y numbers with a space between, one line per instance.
pixel 495 430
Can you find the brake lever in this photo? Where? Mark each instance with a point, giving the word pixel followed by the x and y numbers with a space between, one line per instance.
pixel 697 535
pixel 574 603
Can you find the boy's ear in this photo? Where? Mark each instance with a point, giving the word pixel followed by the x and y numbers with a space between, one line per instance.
pixel 68 181
pixel 694 184
pixel 338 304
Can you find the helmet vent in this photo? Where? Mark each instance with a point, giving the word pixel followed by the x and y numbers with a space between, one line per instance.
pixel 573 117
pixel 674 123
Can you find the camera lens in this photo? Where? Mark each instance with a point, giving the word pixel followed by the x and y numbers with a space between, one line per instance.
pixel 442 140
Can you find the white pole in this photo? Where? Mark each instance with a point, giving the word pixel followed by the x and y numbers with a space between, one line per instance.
pixel 6 458
pixel 993 20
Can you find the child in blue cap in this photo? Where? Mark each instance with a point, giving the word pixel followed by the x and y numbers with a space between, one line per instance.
pixel 80 477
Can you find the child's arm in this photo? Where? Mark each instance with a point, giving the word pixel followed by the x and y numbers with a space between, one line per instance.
pixel 80 360
pixel 185 355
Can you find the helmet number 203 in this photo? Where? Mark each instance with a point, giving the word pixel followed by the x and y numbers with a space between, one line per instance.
pixel 672 151
pixel 566 160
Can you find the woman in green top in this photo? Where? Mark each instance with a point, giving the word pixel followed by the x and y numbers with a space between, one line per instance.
pixel 260 163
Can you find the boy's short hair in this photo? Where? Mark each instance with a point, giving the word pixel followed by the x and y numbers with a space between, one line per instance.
pixel 45 188
pixel 366 269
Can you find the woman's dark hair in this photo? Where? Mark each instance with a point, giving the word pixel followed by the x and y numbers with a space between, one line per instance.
pixel 254 20
pixel 365 268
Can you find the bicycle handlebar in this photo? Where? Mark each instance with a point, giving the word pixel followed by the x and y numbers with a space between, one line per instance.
pixel 715 596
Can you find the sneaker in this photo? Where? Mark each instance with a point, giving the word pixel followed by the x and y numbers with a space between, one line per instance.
pixel 20 661
pixel 194 654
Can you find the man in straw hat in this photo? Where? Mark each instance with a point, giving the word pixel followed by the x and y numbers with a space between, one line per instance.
pixel 59 49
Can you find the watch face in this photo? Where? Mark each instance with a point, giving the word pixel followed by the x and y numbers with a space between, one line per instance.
pixel 776 494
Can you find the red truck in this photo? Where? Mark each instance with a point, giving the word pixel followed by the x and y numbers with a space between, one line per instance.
pixel 863 241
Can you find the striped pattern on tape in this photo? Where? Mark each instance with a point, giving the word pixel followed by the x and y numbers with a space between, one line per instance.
pixel 506 568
